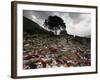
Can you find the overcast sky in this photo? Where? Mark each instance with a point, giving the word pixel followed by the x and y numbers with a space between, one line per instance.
pixel 76 23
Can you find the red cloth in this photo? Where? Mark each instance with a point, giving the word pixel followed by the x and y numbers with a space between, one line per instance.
pixel 54 50
pixel 43 62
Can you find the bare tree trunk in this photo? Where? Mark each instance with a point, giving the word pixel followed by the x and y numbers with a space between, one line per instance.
pixel 55 32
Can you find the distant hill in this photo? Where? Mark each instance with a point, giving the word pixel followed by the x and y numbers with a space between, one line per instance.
pixel 32 27
pixel 81 40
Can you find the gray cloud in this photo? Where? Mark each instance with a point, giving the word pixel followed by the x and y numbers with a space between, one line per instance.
pixel 76 17
pixel 77 23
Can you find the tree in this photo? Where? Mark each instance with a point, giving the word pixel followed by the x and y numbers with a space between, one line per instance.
pixel 54 23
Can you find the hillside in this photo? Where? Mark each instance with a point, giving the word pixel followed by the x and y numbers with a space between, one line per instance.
pixel 43 49
pixel 32 27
